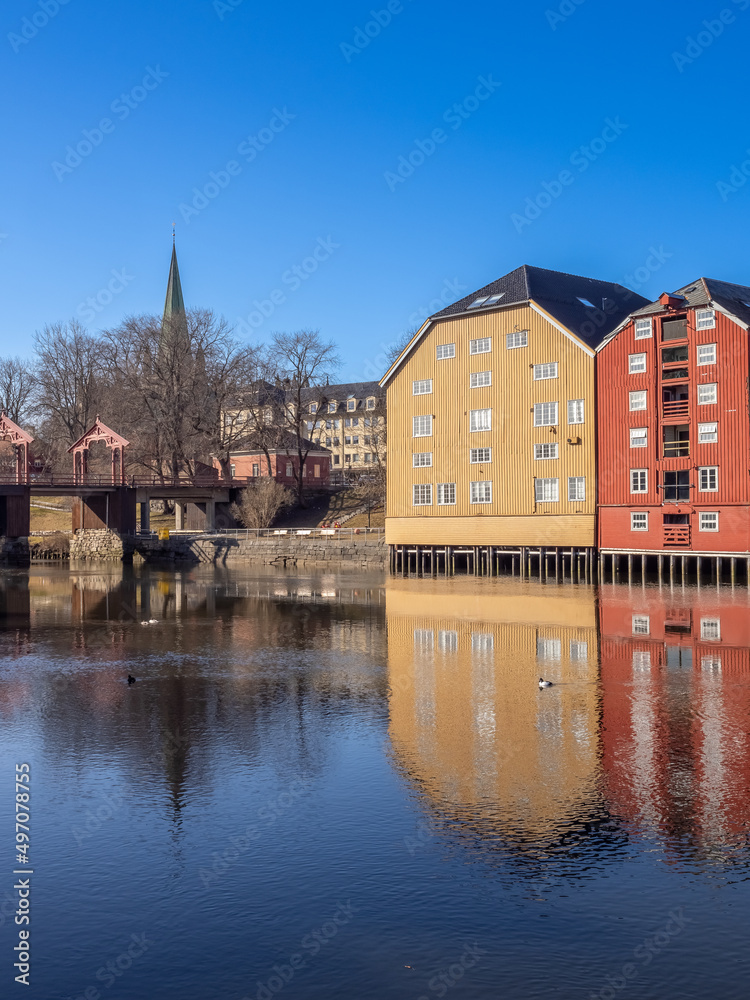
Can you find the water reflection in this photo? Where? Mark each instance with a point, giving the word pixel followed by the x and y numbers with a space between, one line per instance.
pixel 643 735
pixel 468 723
pixel 676 703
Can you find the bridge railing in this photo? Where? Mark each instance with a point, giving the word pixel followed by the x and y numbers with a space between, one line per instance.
pixel 67 480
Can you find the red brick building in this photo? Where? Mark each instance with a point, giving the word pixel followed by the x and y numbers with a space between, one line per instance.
pixel 252 463
pixel 672 424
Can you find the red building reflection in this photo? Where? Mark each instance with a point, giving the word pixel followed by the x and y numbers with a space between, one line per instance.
pixel 675 674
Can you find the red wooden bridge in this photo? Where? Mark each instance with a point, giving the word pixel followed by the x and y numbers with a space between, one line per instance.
pixel 105 500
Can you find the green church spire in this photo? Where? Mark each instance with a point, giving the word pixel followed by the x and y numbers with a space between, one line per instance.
pixel 174 305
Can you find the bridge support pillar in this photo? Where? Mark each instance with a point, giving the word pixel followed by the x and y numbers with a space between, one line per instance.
pixel 210 515
pixel 114 509
pixel 145 515
pixel 179 516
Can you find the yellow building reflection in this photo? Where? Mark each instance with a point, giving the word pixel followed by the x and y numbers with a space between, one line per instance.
pixel 468 723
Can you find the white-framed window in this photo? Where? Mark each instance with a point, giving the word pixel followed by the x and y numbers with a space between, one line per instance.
pixel 479 379
pixel 482 642
pixel 421 460
pixel 708 433
pixel 332 407
pixel 639 520
pixel 445 351
pixel 447 641
pixel 371 403
pixel 638 400
pixel 256 469
pixel 548 649
pixel 518 339
pixel 547 370
pixel 368 458
pixel 639 480
pixel 636 363
pixel 641 625
pixel 481 492
pixel 480 456
pixel 545 414
pixel 480 420
pixel 351 404
pixel 641 659
pixel 706 354
pixel 547 490
pixel 576 488
pixel 547 450
pixel 289 470
pixel 422 495
pixel 575 411
pixel 421 427
pixel 313 407
pixel 708 520
pixel 421 387
pixel 638 437
pixel 705 319
pixel 707 393
pixel 446 494
pixel 708 479
pixel 233 471
pixel 711 629
pixel 424 639
pixel 579 651
pixel 481 346
pixel 643 329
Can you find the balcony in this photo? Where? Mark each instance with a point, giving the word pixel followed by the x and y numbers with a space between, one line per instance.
pixel 677 535
pixel 675 401
pixel 676 442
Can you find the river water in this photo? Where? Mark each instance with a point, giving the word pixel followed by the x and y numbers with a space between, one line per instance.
pixel 336 786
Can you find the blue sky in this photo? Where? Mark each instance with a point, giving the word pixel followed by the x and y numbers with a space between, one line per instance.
pixel 305 128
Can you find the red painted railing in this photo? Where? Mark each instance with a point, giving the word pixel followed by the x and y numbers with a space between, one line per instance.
pixel 677 534
pixel 676 407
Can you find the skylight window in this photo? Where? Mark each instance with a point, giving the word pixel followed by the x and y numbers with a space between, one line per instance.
pixel 493 299
pixel 586 302
pixel 486 300
pixel 478 302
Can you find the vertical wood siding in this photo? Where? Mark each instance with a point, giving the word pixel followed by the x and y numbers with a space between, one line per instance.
pixel 731 453
pixel 511 398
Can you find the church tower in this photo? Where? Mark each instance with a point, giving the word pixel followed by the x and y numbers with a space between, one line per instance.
pixel 174 321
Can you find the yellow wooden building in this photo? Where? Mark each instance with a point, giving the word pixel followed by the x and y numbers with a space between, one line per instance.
pixel 491 440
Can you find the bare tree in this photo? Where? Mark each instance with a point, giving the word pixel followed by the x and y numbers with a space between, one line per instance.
pixel 16 388
pixel 175 380
pixel 69 385
pixel 260 504
pixel 304 365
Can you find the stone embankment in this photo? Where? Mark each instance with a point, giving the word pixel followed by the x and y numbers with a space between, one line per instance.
pixel 359 551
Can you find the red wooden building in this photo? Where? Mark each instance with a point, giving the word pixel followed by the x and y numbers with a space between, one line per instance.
pixel 673 429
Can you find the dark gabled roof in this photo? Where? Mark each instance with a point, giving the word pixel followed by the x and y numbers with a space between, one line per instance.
pixel 703 291
pixel 340 393
pixel 560 295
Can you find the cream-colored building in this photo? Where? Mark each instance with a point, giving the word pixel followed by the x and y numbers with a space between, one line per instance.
pixel 491 416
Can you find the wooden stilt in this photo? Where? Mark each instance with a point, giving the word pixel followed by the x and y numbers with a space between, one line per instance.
pixel 630 569
pixel 643 569
pixel 733 571
pixel 718 571
pixel 684 570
